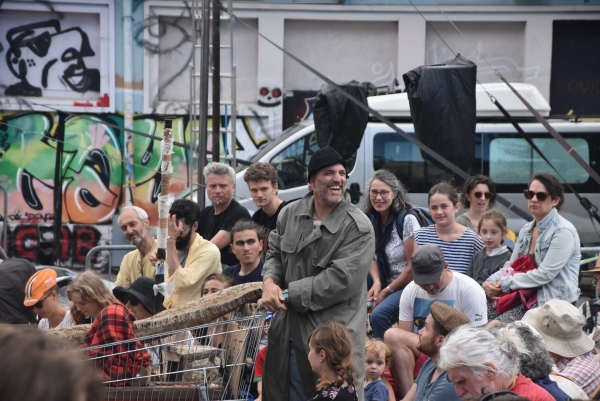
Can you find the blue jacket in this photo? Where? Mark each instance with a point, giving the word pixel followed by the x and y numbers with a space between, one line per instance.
pixel 557 253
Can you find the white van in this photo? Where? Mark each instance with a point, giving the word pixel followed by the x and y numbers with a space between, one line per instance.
pixel 499 153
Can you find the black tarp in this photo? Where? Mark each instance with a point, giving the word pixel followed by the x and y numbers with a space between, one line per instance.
pixel 339 122
pixel 443 109
pixel 14 274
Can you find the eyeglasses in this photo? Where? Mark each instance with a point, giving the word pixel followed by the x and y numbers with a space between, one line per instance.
pixel 594 281
pixel 541 196
pixel 488 195
pixel 40 303
pixel 185 228
pixel 384 194
pixel 419 322
pixel 132 300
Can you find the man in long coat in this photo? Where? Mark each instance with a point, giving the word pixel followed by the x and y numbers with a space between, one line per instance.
pixel 320 252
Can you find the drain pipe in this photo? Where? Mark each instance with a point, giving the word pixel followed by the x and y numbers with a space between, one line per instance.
pixel 128 97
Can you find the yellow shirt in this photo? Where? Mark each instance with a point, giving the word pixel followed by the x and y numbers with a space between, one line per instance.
pixel 132 267
pixel 203 259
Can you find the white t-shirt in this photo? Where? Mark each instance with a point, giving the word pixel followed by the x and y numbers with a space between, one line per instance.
pixel 66 322
pixel 463 293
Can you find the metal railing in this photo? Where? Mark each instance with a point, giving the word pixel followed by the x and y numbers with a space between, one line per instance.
pixel 110 248
pixel 5 222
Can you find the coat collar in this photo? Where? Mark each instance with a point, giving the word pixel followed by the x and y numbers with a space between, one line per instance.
pixel 334 221
pixel 546 220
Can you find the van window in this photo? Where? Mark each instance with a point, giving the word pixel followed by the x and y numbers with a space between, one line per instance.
pixel 513 161
pixel 292 162
pixel 394 153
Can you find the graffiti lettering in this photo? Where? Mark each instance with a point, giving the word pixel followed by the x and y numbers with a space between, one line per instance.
pixel 31 217
pixel 35 243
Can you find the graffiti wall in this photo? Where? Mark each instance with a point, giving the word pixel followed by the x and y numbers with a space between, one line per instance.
pixel 92 169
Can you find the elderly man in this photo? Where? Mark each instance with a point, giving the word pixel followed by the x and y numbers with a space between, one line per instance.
pixel 134 223
pixel 432 282
pixel 319 254
pixel 560 325
pixel 479 362
pixel 432 382
pixel 224 212
pixel 190 257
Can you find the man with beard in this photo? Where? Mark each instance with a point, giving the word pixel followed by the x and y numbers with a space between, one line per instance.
pixel 134 223
pixel 315 271
pixel 190 258
pixel 432 281
pixel 432 382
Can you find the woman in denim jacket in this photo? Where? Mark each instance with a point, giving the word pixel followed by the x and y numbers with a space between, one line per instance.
pixel 553 241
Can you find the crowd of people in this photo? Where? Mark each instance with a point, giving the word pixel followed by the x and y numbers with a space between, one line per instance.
pixel 390 302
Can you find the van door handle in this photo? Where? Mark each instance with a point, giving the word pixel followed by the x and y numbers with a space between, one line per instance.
pixel 355 193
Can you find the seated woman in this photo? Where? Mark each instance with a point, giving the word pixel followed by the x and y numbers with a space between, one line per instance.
pixel 384 200
pixel 478 195
pixel 552 241
pixel 41 294
pixel 212 285
pixel 112 323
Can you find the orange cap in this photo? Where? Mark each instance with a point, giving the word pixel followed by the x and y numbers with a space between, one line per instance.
pixel 37 284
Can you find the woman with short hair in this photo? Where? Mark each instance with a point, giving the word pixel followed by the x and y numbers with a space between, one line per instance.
pixel 478 195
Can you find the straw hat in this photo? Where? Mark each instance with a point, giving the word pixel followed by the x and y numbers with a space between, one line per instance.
pixel 561 326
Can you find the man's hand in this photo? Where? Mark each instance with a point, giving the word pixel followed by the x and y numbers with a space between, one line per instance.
pixel 152 258
pixel 272 296
pixel 492 289
pixel 174 227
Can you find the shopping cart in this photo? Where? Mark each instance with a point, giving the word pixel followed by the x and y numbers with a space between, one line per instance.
pixel 214 361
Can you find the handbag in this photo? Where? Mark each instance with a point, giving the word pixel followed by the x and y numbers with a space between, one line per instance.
pixel 525 297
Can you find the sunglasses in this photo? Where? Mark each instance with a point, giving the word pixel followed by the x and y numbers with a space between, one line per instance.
pixel 40 303
pixel 541 196
pixel 184 228
pixel 419 322
pixel 132 300
pixel 488 195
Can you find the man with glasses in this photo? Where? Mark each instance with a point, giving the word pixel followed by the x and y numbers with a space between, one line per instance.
pixel 190 258
pixel 134 223
pixel 432 282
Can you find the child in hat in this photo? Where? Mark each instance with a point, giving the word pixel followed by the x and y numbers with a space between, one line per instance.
pixel 41 295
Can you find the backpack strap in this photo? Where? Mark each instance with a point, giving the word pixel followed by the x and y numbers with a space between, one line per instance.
pixel 400 222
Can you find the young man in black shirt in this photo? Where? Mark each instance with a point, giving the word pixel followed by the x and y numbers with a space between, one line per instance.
pixel 246 246
pixel 262 181
pixel 216 220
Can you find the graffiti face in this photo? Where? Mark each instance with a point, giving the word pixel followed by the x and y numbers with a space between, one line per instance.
pixel 42 56
pixel 269 97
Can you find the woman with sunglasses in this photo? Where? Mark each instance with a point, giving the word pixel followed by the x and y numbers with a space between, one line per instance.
pixel 391 271
pixel 41 295
pixel 552 241
pixel 478 195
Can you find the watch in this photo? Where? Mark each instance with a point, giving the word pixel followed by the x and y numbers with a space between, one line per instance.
pixel 389 289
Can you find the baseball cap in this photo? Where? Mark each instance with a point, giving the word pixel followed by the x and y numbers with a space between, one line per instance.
pixel 38 284
pixel 427 263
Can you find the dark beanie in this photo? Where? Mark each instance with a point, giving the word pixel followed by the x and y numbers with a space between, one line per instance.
pixel 324 157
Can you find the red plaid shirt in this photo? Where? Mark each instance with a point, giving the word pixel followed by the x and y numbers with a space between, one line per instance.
pixel 121 361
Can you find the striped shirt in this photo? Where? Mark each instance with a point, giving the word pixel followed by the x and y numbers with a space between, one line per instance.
pixel 584 370
pixel 458 253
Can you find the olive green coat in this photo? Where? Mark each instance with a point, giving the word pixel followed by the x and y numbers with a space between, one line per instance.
pixel 325 270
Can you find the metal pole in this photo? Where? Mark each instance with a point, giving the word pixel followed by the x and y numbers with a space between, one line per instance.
pixel 128 98
pixel 59 137
pixel 192 111
pixel 203 101
pixel 216 80
pixel 5 225
pixel 95 250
